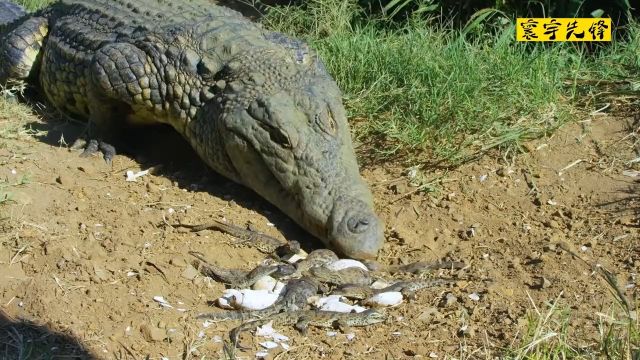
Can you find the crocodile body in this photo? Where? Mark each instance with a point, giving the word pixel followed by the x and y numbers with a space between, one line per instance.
pixel 258 107
pixel 9 12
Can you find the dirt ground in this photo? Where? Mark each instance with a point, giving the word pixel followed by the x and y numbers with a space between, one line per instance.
pixel 83 252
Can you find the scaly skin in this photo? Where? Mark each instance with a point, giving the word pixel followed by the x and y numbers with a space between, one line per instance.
pixel 351 275
pixel 263 242
pixel 293 298
pixel 302 319
pixel 319 257
pixel 417 268
pixel 237 278
pixel 408 288
pixel 9 12
pixel 257 107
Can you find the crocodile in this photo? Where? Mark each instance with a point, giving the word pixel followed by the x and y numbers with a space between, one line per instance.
pixel 257 106
pixel 302 319
pixel 408 288
pixel 237 278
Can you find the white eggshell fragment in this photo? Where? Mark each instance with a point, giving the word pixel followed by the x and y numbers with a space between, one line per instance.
pixel 225 300
pixel 333 303
pixel 391 298
pixel 247 299
pixel 379 284
pixel 266 283
pixel 279 287
pixel 346 263
pixel 269 345
pixel 294 258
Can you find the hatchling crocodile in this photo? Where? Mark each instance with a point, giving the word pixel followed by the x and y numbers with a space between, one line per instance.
pixel 257 106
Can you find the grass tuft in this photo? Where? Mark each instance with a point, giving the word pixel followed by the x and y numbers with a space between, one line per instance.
pixel 425 91
pixel 14 116
pixel 32 5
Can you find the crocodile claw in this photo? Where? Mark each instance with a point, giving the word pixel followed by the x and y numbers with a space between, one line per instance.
pixel 93 146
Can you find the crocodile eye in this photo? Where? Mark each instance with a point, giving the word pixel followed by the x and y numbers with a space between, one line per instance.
pixel 326 123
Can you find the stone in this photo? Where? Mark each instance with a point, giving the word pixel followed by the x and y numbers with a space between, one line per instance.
pixel 152 333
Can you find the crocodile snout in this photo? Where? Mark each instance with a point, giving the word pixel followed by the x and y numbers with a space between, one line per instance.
pixel 355 230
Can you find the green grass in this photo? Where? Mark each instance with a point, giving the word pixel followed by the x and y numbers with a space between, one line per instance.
pixel 32 5
pixel 548 334
pixel 424 93
pixel 428 93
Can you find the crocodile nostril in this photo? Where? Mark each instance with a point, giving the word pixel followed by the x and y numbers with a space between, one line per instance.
pixel 358 225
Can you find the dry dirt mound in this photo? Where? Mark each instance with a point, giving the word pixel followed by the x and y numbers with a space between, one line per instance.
pixel 84 252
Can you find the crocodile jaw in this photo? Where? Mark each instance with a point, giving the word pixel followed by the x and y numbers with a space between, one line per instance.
pixel 293 147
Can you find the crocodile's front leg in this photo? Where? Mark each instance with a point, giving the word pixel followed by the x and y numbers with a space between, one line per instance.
pixel 120 89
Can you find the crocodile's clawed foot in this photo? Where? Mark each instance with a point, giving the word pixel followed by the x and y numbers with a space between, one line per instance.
pixel 93 146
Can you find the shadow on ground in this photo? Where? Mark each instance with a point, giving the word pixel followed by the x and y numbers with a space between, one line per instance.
pixel 21 339
pixel 162 149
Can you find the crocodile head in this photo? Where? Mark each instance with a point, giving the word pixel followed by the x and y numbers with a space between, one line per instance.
pixel 289 141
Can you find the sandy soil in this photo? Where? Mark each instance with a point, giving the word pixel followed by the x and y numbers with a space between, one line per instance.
pixel 83 252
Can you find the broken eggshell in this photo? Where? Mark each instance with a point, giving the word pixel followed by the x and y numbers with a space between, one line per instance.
pixel 333 303
pixel 246 299
pixel 294 258
pixel 346 263
pixel 379 284
pixel 391 298
pixel 270 284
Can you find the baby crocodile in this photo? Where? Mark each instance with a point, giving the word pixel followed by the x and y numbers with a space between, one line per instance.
pixel 237 278
pixel 302 319
pixel 407 287
pixel 262 242
pixel 293 298
pixel 351 275
pixel 417 267
pixel 319 257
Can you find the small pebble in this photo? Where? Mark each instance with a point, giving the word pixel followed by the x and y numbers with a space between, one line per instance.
pixel 190 272
pixel 152 333
pixel 152 188
pixel 466 331
pixel 450 300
